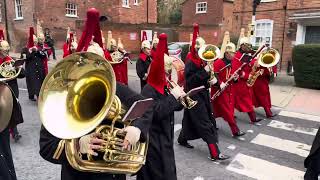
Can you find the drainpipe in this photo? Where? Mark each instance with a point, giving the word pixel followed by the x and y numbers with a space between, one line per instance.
pixel 284 30
pixel 147 11
pixel 6 20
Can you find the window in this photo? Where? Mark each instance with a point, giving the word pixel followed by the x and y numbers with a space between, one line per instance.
pixel 136 2
pixel 268 0
pixel 125 3
pixel 71 10
pixel 0 13
pixel 18 8
pixel 201 7
pixel 263 31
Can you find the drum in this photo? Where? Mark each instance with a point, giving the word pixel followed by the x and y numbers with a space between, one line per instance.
pixel 177 74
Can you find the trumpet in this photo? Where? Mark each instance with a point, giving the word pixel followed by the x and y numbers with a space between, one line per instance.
pixel 186 101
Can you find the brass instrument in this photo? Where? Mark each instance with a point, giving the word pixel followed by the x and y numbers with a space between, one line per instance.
pixel 268 58
pixel 8 71
pixel 6 105
pixel 186 101
pixel 209 53
pixel 81 90
pixel 117 57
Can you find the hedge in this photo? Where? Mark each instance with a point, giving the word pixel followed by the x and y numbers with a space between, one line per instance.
pixel 306 65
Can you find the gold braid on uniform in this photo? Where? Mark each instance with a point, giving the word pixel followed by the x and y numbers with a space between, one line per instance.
pixel 59 150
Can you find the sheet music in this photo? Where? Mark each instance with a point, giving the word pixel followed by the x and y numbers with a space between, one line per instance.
pixel 137 109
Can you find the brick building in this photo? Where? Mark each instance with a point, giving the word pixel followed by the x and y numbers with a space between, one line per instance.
pixel 213 16
pixel 58 15
pixel 285 22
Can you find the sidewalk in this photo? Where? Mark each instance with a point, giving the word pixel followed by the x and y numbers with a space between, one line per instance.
pixel 286 95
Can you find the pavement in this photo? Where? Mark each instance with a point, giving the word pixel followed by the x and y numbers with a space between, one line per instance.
pixel 275 149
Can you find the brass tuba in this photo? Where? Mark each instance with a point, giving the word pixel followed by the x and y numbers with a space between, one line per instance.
pixel 209 53
pixel 268 58
pixel 81 90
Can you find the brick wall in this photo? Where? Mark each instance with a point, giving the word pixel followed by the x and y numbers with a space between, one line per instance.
pixel 227 16
pixel 211 34
pixel 212 17
pixel 281 40
pixel 140 13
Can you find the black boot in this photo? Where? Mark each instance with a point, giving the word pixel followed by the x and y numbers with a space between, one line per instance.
pixel 239 133
pixel 185 144
pixel 215 153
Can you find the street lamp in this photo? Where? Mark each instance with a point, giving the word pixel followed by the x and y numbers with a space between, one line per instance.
pixel 254 10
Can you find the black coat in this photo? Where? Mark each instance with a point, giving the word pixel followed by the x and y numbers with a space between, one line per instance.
pixel 142 68
pixel 160 162
pixel 7 171
pixel 314 152
pixel 49 143
pixel 16 117
pixel 198 122
pixel 35 72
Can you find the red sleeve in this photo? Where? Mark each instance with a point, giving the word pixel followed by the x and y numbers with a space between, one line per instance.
pixel 49 49
pixel 107 55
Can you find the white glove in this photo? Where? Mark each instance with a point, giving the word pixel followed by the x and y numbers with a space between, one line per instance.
pixel 207 68
pixel 223 85
pixel 177 92
pixel 89 143
pixel 274 74
pixel 236 77
pixel 145 76
pixel 213 81
pixel 132 136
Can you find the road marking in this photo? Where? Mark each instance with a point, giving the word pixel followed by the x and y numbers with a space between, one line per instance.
pixel 22 89
pixel 177 127
pixel 198 178
pixel 293 147
pixel 300 116
pixel 262 169
pixel 292 127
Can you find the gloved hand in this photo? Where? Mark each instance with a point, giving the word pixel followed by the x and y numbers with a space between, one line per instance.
pixel 90 143
pixel 223 85
pixel 213 81
pixel 235 77
pixel 242 74
pixel 145 76
pixel 207 68
pixel 177 92
pixel 132 136
pixel 274 74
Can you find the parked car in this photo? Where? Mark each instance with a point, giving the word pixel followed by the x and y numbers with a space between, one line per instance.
pixel 179 49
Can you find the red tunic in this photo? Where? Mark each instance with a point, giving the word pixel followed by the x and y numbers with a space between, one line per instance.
pixel 242 93
pixel 261 94
pixel 223 105
pixel 45 62
pixel 120 69
pixel 5 59
pixel 66 51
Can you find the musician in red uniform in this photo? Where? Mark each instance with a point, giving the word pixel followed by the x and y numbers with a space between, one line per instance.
pixel 242 92
pixel 70 45
pixel 261 93
pixel 144 62
pixel 42 46
pixel 223 105
pixel 155 42
pixel 16 114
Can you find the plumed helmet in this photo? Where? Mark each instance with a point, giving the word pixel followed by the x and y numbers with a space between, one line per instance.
pixel 145 44
pixel 245 40
pixel 230 47
pixel 4 45
pixel 95 48
pixel 113 42
pixel 200 42
pixel 167 63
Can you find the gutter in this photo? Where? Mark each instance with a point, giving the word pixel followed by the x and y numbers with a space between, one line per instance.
pixel 6 20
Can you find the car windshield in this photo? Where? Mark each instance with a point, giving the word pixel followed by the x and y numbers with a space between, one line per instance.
pixel 173 46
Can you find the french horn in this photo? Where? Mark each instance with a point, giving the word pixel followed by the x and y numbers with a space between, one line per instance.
pixel 8 71
pixel 77 97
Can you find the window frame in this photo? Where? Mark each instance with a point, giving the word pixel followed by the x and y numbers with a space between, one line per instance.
pixel 136 2
pixel 261 21
pixel 267 1
pixel 71 9
pixel 197 7
pixel 126 5
pixel 16 7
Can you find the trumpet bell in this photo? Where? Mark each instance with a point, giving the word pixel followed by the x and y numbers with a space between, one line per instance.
pixel 77 95
pixel 209 52
pixel 269 57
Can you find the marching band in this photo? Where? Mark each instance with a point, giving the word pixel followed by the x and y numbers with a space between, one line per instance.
pixel 94 140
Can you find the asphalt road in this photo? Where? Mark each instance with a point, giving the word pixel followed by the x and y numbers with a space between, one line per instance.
pixel 275 150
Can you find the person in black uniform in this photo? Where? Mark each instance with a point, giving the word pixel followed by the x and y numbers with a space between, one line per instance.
pixel 312 162
pixel 144 62
pixel 89 144
pixel 35 70
pixel 4 57
pixel 198 122
pixel 50 42
pixel 160 162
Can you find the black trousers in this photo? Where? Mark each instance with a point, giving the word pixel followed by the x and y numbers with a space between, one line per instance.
pixel 313 171
pixel 53 52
